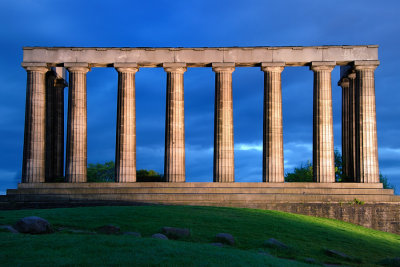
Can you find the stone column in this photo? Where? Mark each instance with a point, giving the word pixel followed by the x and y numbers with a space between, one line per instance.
pixel 346 160
pixel 367 145
pixel 273 170
pixel 76 161
pixel 174 161
pixel 323 151
pixel 352 127
pixel 54 126
pixel 125 149
pixel 224 169
pixel 33 164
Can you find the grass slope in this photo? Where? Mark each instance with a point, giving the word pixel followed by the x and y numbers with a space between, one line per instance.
pixel 307 237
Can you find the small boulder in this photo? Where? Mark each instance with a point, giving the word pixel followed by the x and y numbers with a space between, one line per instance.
pixel 337 254
pixel 109 229
pixel 159 236
pixel 225 238
pixel 9 228
pixel 217 244
pixel 272 242
pixel 135 234
pixel 175 233
pixel 33 225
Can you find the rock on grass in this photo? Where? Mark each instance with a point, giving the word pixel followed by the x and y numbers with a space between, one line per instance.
pixel 33 225
pixel 225 238
pixel 175 233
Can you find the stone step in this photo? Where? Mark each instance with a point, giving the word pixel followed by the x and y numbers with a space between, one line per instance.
pixel 203 190
pixel 203 199
pixel 201 185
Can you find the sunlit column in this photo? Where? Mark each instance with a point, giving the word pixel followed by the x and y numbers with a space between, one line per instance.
pixel 367 146
pixel 76 161
pixel 323 151
pixel 224 169
pixel 125 149
pixel 174 161
pixel 33 166
pixel 273 170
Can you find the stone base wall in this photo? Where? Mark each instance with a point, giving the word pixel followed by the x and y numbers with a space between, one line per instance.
pixel 381 216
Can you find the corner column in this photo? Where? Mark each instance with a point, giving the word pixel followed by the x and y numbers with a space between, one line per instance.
pixel 33 164
pixel 224 169
pixel 125 149
pixel 174 160
pixel 366 133
pixel 273 168
pixel 76 161
pixel 323 151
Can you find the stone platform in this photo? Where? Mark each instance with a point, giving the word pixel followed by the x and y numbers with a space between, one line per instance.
pixel 380 208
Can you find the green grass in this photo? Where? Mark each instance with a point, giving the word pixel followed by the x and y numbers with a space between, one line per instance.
pixel 307 237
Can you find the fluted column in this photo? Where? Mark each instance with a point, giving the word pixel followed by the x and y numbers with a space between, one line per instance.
pixel 273 170
pixel 352 127
pixel 174 161
pixel 125 149
pixel 54 126
pixel 76 161
pixel 367 145
pixel 224 169
pixel 345 84
pixel 323 151
pixel 33 164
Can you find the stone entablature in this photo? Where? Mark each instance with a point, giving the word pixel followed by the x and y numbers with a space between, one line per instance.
pixel 201 56
pixel 43 145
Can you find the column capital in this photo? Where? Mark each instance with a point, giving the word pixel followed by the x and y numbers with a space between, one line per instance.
pixel 126 67
pixel 344 82
pixel 174 67
pixel 79 67
pixel 223 67
pixel 351 76
pixel 322 65
pixel 366 64
pixel 35 66
pixel 272 66
pixel 60 83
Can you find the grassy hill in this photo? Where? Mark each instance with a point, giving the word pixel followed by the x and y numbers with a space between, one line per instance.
pixel 308 237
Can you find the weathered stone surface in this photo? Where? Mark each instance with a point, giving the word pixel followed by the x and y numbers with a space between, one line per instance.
pixel 225 238
pixel 76 154
pixel 272 242
pixel 323 151
pixel 135 234
pixel 159 236
pixel 337 254
pixel 273 170
pixel 109 229
pixel 33 225
pixel 8 228
pixel 174 158
pixel 224 167
pixel 125 149
pixel 201 57
pixel 175 233
pixel 33 165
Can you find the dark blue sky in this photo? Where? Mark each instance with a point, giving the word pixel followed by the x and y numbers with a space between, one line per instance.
pixel 200 23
